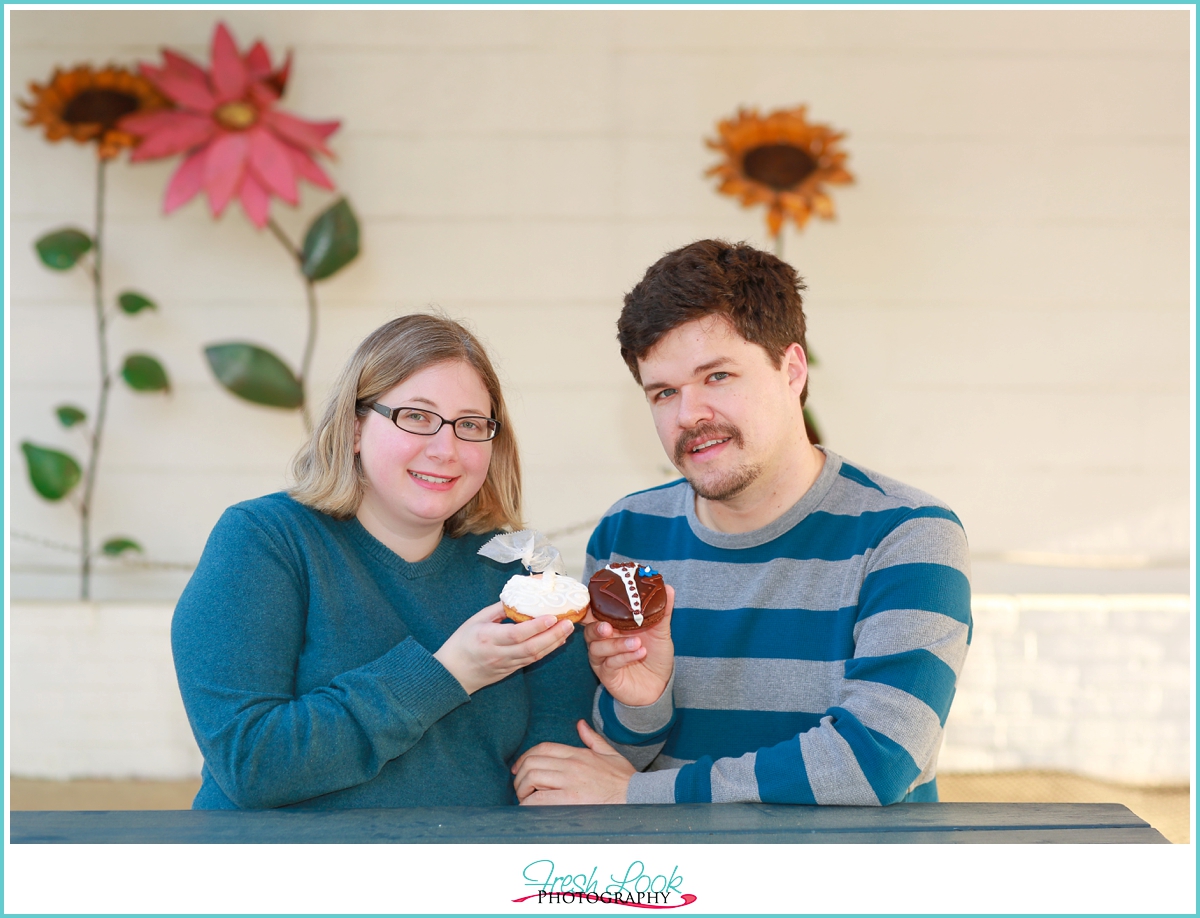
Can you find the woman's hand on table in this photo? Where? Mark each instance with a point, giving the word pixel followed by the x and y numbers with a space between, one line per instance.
pixel 483 651
pixel 552 773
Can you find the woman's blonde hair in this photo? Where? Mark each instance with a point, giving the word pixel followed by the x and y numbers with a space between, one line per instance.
pixel 327 471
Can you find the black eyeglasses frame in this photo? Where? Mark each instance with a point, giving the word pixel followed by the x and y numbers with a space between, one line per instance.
pixel 392 414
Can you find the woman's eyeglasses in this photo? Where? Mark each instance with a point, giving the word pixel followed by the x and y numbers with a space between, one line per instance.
pixel 425 423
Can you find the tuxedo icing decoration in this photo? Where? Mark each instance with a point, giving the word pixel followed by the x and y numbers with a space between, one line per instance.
pixel 627 595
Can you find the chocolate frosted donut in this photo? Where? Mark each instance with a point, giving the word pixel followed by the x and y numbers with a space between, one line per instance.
pixel 624 592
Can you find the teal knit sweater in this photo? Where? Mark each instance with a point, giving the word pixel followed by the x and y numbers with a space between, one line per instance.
pixel 303 648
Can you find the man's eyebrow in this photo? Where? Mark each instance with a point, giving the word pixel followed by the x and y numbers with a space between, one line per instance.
pixel 696 371
pixel 711 365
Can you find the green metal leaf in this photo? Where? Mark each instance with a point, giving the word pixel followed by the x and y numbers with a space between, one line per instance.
pixel 69 415
pixel 115 547
pixel 62 249
pixel 331 242
pixel 132 303
pixel 53 474
pixel 145 374
pixel 255 374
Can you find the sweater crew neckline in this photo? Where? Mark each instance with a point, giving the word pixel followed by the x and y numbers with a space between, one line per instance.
pixel 410 570
pixel 809 501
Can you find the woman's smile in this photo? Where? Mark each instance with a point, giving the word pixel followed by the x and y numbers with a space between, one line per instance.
pixel 433 482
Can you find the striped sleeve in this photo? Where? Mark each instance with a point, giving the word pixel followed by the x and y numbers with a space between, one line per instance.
pixel 638 733
pixel 877 744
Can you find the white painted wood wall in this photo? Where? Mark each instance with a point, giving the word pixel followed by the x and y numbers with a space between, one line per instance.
pixel 1000 311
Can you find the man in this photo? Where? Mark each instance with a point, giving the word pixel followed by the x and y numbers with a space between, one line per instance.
pixel 821 612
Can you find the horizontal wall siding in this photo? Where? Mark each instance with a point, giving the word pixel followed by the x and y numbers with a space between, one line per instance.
pixel 1000 312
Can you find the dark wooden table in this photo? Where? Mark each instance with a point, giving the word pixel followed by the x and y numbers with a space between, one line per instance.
pixel 746 823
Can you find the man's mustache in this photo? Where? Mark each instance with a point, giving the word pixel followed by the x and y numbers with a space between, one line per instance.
pixel 703 434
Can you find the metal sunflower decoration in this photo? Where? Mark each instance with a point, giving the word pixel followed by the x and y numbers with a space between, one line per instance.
pixel 238 145
pixel 780 160
pixel 783 161
pixel 87 105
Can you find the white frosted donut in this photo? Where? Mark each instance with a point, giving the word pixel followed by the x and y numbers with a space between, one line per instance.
pixel 548 594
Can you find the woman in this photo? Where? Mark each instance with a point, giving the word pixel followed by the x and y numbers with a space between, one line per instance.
pixel 340 645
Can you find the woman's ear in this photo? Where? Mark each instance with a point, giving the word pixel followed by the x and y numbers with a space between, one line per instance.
pixel 357 433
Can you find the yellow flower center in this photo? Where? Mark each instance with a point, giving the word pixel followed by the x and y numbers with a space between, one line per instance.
pixel 237 116
pixel 779 166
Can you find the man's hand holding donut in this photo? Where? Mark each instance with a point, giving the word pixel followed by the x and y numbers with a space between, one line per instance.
pixel 636 666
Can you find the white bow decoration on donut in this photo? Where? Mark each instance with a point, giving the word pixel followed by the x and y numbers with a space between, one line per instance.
pixel 529 547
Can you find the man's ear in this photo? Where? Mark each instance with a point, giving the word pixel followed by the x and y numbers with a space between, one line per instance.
pixel 795 362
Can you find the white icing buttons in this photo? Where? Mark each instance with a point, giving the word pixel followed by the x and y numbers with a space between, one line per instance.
pixel 635 598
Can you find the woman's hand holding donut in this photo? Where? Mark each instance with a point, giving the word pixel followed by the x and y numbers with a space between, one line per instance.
pixel 635 668
pixel 483 651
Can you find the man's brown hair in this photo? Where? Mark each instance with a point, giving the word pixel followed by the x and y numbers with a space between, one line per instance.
pixel 758 293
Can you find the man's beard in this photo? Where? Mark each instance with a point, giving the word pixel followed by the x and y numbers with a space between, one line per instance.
pixel 725 486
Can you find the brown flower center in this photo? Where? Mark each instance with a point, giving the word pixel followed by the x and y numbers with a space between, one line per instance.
pixel 99 106
pixel 237 116
pixel 779 166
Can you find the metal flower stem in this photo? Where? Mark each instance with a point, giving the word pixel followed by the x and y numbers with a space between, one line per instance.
pixel 310 292
pixel 93 460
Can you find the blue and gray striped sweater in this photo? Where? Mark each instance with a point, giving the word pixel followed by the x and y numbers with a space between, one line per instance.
pixel 815 658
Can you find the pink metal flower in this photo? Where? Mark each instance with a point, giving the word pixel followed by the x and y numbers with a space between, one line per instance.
pixel 237 143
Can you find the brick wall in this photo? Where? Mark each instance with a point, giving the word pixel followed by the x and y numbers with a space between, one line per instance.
pixel 93 693
pixel 1098 685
